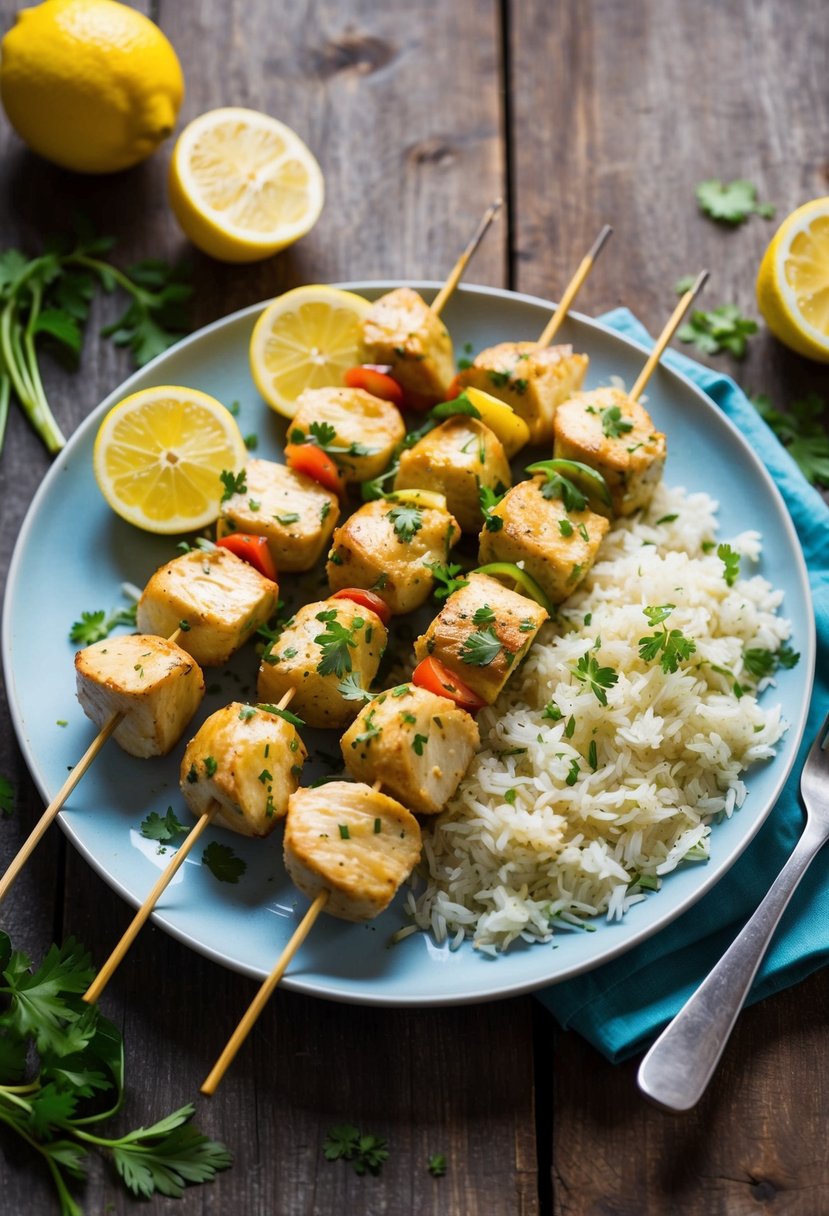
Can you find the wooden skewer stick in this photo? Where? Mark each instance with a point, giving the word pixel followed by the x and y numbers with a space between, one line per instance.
pixel 573 287
pixel 33 839
pixel 460 266
pixel 214 1077
pixel 667 333
pixel 169 872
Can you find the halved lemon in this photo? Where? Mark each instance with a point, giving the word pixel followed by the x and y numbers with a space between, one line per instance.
pixel 159 454
pixel 243 185
pixel 307 338
pixel 793 281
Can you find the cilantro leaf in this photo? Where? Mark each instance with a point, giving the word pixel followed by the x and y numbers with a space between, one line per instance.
pixel 336 644
pixel 43 1003
pixel 672 646
pixel 489 498
pixel 613 424
pixel 436 1165
pixel 234 483
pixel 481 648
pixel 446 579
pixel 731 202
pixel 407 520
pixel 557 486
pixel 802 432
pixel 352 690
pixel 223 863
pixel 730 559
pixel 761 663
pixel 155 318
pixel 588 671
pixel 722 328
pixel 154 827
pixel 166 1157
pixel 366 1153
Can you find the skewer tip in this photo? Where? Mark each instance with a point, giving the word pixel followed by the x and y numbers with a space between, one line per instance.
pixel 600 242
pixel 699 283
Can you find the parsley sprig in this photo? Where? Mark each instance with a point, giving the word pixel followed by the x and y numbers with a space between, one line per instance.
pixel 802 432
pixel 366 1153
pixel 336 643
pixel 613 424
pixel 723 328
pixel 407 520
pixel 481 648
pixel 47 299
pixel 446 578
pixel 95 626
pixel 731 202
pixel 62 1074
pixel 595 677
pixel 323 435
pixel 730 559
pixel 671 645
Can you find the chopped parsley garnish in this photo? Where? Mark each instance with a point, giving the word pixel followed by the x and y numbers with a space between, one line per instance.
pixel 323 435
pixel 223 863
pixel 292 517
pixel 446 579
pixel 731 202
pixel 592 755
pixel 565 527
pixel 481 648
pixel 234 483
pixel 418 743
pixel 162 828
pixel 489 498
pixel 510 796
pixel 95 626
pixel 595 677
pixel 365 1153
pixel 246 713
pixel 762 663
pixel 552 711
pixel 671 645
pixel 613 424
pixel 569 727
pixel 436 1165
pixel 730 559
pixel 378 827
pixel 370 732
pixel 573 775
pixel 336 644
pixel 344 832
pixel 407 520
pixel 666 519
pixel 210 765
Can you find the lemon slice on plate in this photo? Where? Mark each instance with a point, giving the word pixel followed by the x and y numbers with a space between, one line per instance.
pixel 793 281
pixel 307 338
pixel 159 454
pixel 243 185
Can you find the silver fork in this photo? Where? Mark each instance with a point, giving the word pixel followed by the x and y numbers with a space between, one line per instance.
pixel 677 1069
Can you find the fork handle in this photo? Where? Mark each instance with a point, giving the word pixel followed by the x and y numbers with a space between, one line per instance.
pixel 679 1065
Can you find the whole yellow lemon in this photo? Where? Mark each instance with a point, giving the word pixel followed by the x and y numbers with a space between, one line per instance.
pixel 90 84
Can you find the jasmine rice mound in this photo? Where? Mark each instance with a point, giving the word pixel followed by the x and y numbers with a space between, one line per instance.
pixel 574 808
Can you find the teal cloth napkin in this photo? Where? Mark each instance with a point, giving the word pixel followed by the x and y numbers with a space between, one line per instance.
pixel 623 1005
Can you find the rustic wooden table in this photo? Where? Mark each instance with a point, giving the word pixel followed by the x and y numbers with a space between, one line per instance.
pixel 579 113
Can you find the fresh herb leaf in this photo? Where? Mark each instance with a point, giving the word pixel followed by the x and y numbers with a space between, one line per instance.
pixel 481 648
pixel 95 626
pixel 483 615
pixel 418 743
pixel 223 862
pixel 163 828
pixel 613 424
pixel 366 1153
pixel 762 663
pixel 407 520
pixel 673 646
pixel 556 486
pixel 7 795
pixel 234 483
pixel 336 644
pixel 352 690
pixel 436 1165
pixel 370 731
pixel 573 775
pixel 722 328
pixel 446 579
pixel 802 432
pixel 731 563
pixel 731 202
pixel 489 498
pixel 167 1156
pixel 588 671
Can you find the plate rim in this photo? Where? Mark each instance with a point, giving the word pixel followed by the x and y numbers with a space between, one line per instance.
pixel 331 991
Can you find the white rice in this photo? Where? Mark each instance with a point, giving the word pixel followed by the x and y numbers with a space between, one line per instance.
pixel 518 849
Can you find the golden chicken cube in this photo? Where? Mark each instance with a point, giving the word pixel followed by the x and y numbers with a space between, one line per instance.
pixel 358 430
pixel 482 633
pixel 245 761
pixel 615 436
pixel 419 744
pixel 352 841
pixel 534 382
pixel 216 599
pixel 402 332
pixel 554 546
pixel 386 547
pixel 326 644
pixel 294 513
pixel 457 459
pixel 155 684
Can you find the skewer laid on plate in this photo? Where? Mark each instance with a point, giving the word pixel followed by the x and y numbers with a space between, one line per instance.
pixel 263 739
pixel 355 814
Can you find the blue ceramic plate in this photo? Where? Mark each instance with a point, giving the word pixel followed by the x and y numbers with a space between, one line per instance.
pixel 73 555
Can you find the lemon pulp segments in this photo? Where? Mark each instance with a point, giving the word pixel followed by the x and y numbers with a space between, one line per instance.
pixel 806 267
pixel 793 281
pixel 158 456
pixel 243 185
pixel 306 338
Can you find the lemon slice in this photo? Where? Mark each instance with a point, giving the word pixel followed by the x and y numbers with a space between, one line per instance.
pixel 307 338
pixel 500 418
pixel 793 281
pixel 243 185
pixel 158 456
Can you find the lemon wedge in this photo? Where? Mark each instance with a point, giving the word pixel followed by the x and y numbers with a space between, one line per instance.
pixel 307 338
pixel 500 418
pixel 243 185
pixel 159 454
pixel 793 281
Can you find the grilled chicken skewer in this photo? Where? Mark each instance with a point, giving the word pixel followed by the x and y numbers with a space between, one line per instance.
pixel 248 742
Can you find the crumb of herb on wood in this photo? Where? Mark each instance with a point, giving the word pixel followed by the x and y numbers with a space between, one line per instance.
pixel 436 1165
pixel 365 1152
